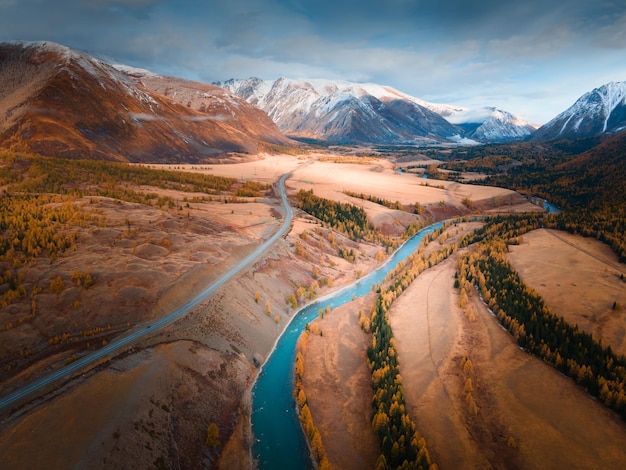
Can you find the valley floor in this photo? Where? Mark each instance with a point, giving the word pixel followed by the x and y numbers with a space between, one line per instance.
pixel 527 414
pixel 151 405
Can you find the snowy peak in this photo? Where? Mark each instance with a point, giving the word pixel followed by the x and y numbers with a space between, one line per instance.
pixel 600 111
pixel 343 112
pixel 489 124
pixel 347 112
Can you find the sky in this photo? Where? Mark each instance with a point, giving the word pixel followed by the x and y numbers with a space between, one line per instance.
pixel 533 58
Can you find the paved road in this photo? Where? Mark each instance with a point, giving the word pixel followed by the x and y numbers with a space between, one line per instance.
pixel 110 349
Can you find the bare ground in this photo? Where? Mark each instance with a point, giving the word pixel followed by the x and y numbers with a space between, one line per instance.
pixel 579 278
pixel 201 369
pixel 337 385
pixel 150 406
pixel 527 414
pixel 440 199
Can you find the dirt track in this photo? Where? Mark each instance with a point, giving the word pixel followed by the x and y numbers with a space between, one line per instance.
pixel 227 332
pixel 527 414
pixel 427 325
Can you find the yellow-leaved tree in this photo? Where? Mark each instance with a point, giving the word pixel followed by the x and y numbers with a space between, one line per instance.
pixel 213 435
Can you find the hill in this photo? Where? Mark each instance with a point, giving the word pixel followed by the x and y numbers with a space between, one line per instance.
pixel 600 111
pixel 588 187
pixel 57 101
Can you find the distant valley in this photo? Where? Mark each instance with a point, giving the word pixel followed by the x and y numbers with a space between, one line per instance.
pixel 126 196
pixel 59 101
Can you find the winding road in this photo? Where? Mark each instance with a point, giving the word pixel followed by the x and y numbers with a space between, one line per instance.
pixel 114 346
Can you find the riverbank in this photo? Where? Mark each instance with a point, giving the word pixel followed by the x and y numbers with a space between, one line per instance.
pixel 198 371
pixel 337 384
pixel 522 413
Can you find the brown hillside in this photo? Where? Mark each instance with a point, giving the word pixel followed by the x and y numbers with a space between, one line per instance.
pixel 57 101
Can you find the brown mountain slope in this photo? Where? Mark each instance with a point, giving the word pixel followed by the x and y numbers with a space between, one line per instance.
pixel 611 151
pixel 56 101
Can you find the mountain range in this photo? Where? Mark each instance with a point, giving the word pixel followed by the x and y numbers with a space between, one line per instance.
pixel 57 101
pixel 337 111
pixel 598 112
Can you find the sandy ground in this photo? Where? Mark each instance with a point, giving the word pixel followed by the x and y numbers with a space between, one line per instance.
pixel 337 384
pixel 579 278
pixel 150 406
pixel 528 415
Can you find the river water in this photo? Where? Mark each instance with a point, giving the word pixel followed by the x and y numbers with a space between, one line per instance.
pixel 279 440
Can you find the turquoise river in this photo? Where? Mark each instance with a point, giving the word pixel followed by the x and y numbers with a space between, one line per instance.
pixel 279 440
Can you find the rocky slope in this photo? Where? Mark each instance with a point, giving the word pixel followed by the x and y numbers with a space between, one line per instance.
pixel 600 111
pixel 57 101
pixel 344 112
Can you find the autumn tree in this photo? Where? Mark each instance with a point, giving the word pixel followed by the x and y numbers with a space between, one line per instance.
pixel 213 436
pixel 57 285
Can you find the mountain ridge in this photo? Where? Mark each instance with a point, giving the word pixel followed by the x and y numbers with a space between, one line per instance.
pixel 60 102
pixel 308 109
pixel 599 111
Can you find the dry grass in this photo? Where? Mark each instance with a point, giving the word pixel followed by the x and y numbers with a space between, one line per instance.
pixel 201 367
pixel 526 414
pixel 337 385
pixel 579 278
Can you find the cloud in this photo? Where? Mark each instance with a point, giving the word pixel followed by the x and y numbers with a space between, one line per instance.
pixel 612 35
pixel 154 117
pixel 547 43
pixel 123 3
pixel 462 50
pixel 140 9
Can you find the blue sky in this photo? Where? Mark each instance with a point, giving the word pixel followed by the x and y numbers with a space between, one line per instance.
pixel 533 58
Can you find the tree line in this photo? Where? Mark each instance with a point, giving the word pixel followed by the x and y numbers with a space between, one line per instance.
pixel 589 188
pixel 401 444
pixel 596 368
pixel 377 200
pixel 343 217
pixel 314 438
pixel 346 218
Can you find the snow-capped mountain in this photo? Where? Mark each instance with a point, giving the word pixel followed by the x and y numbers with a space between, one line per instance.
pixel 346 112
pixel 490 124
pixel 58 101
pixel 600 111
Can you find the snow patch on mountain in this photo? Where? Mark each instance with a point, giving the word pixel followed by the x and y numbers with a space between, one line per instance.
pixel 120 113
pixel 492 124
pixel 600 111
pixel 335 109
